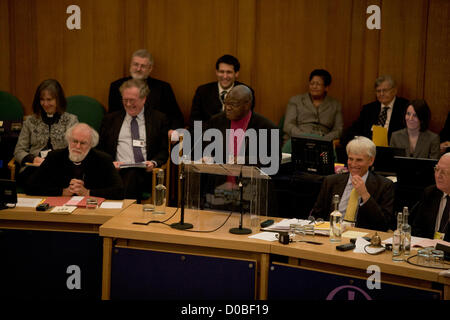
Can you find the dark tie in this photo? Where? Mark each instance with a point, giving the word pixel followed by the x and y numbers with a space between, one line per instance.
pixel 138 157
pixel 222 95
pixel 444 220
pixel 382 117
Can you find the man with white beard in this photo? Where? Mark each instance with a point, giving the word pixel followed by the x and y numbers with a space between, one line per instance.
pixel 78 169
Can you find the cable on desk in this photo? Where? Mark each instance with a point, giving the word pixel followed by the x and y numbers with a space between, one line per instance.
pixel 431 267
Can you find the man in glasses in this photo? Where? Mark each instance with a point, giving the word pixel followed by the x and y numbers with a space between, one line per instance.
pixel 136 138
pixel 161 96
pixel 78 170
pixel 387 111
pixel 432 215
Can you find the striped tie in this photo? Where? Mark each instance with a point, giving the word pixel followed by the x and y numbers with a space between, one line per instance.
pixel 352 205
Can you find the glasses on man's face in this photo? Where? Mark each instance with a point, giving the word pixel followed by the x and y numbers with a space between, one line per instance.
pixel 128 101
pixel 233 105
pixel 76 142
pixel 440 171
pixel 378 91
pixel 139 65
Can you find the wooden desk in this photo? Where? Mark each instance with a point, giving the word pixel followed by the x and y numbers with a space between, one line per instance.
pixel 122 236
pixel 38 248
pixel 348 267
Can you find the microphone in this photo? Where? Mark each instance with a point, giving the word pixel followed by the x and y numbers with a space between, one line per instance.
pixel 240 229
pixel 182 225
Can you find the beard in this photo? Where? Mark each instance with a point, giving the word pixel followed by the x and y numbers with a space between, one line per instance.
pixel 139 75
pixel 77 157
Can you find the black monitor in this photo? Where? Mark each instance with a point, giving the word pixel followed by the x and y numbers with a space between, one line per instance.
pixel 415 172
pixel 313 154
pixel 8 192
pixel 384 160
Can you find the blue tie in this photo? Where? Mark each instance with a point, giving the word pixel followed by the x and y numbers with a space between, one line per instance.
pixel 138 157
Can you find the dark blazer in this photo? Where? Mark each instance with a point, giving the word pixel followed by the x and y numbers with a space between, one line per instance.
pixel 426 213
pixel 55 173
pixel 256 122
pixel 375 214
pixel 369 116
pixel 445 132
pixel 156 127
pixel 161 98
pixel 427 144
pixel 206 102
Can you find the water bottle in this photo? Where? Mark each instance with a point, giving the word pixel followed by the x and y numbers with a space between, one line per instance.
pixel 160 193
pixel 397 254
pixel 335 221
pixel 406 233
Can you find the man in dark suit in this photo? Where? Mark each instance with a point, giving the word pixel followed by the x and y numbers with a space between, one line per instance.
pixel 239 115
pixel 388 111
pixel 136 135
pixel 78 169
pixel 373 194
pixel 208 99
pixel 161 96
pixel 432 213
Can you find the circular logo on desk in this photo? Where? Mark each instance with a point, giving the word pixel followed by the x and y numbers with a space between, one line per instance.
pixel 349 293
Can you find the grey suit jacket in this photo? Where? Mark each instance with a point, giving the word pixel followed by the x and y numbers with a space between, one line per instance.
pixel 303 117
pixel 427 144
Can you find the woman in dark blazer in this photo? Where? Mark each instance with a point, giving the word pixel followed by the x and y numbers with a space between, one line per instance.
pixel 416 139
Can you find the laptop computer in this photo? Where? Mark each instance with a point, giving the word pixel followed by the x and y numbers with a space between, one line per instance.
pixel 415 172
pixel 384 160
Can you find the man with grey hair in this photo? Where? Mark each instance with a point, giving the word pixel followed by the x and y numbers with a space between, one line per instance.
pixel 161 96
pixel 366 198
pixel 387 111
pixel 135 135
pixel 78 169
pixel 433 210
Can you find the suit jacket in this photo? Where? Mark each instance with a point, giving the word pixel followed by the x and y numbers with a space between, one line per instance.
pixel 445 132
pixel 156 127
pixel 206 102
pixel 375 214
pixel 55 173
pixel 161 98
pixel 427 144
pixel 303 117
pixel 369 116
pixel 426 213
pixel 256 122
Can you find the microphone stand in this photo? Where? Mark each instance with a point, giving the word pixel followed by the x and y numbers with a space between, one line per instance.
pixel 240 229
pixel 182 225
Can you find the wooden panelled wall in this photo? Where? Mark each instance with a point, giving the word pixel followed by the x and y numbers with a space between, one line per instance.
pixel 277 42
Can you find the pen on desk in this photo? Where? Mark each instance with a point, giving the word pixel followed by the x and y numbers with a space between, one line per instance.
pixel 42 201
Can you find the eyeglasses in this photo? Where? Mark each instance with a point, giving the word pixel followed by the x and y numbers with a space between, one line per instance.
pixel 316 83
pixel 128 101
pixel 378 91
pixel 140 65
pixel 82 143
pixel 440 171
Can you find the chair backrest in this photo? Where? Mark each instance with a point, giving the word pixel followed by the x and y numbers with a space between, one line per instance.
pixel 10 107
pixel 87 109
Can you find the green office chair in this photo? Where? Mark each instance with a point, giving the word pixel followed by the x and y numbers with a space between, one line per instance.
pixel 87 109
pixel 10 107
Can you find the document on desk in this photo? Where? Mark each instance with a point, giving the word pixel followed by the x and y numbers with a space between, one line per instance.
pixel 28 202
pixel 268 236
pixel 112 205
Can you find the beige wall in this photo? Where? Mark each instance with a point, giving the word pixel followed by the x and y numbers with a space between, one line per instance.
pixel 277 42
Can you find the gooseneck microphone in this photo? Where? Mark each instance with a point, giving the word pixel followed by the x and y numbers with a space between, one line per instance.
pixel 240 229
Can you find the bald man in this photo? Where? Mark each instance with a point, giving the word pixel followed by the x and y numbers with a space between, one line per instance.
pixel 432 215
pixel 78 170
pixel 238 114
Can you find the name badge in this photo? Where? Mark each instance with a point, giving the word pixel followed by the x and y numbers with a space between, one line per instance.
pixel 139 143
pixel 44 153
